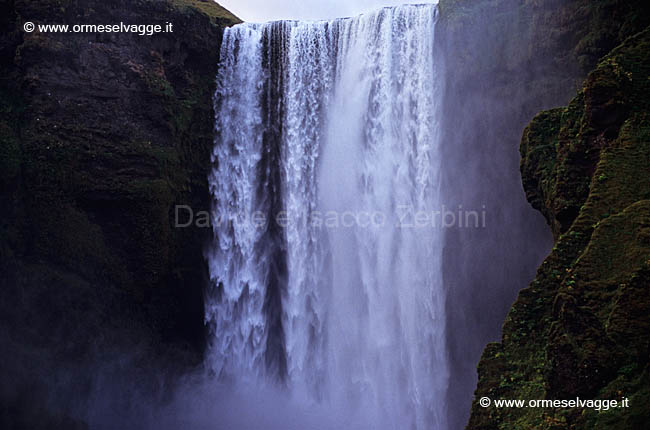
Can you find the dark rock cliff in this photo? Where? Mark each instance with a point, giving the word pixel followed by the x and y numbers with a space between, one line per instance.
pixel 582 326
pixel 102 135
pixel 506 60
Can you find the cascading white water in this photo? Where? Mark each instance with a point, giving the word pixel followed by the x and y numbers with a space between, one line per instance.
pixel 327 138
pixel 235 311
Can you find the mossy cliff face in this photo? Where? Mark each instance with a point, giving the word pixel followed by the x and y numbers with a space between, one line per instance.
pixel 102 135
pixel 505 61
pixel 582 328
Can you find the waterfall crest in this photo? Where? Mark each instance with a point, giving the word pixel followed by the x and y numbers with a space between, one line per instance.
pixel 327 139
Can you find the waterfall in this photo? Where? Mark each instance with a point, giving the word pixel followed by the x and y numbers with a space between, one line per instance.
pixel 327 149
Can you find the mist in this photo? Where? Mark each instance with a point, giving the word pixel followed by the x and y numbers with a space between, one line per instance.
pixel 493 86
pixel 122 396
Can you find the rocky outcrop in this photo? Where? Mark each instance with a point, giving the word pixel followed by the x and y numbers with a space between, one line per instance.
pixel 582 328
pixel 102 135
pixel 505 61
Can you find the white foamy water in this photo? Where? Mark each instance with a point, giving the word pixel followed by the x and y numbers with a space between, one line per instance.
pixel 316 122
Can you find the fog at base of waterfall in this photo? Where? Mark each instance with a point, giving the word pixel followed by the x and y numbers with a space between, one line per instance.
pixel 347 322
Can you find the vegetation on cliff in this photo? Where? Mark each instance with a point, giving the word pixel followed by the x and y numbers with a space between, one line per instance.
pixel 505 61
pixel 582 328
pixel 102 135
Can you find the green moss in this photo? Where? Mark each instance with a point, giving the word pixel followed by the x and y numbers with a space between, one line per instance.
pixel 100 141
pixel 582 328
pixel 159 85
pixel 623 418
pixel 212 9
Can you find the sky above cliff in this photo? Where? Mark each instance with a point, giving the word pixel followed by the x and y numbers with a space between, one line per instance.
pixel 271 10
